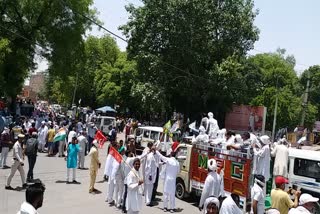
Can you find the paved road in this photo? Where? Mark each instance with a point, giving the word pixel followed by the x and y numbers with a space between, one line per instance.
pixel 69 198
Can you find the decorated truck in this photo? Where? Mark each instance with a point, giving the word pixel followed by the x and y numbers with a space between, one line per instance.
pixel 235 167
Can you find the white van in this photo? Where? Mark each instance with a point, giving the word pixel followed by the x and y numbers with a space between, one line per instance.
pixel 104 122
pixel 304 170
pixel 144 135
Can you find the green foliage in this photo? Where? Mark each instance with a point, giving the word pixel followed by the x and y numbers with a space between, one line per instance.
pixel 30 25
pixel 181 44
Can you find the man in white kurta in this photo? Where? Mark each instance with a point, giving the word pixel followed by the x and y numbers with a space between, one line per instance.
pixel 119 179
pixel 213 126
pixel 42 136
pixel 229 206
pixel 82 141
pixel 263 157
pixel 169 189
pixel 149 176
pixel 281 153
pixel 213 185
pixel 258 196
pixel 134 199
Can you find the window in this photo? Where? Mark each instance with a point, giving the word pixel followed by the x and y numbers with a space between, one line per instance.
pixel 307 168
pixel 182 151
pixel 108 122
pixel 138 132
pixel 154 135
pixel 146 133
pixel 98 122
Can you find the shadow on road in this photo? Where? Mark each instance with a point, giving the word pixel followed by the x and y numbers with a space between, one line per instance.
pixel 61 182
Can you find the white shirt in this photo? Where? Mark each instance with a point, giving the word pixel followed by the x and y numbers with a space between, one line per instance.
pixel 257 194
pixel 82 140
pixel 263 161
pixel 150 169
pixel 213 186
pixel 134 198
pixel 27 208
pixel 229 207
pixel 281 154
pixel 42 134
pixel 299 210
pixel 17 151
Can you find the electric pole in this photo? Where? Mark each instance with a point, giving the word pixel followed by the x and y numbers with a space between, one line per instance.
pixel 275 114
pixel 305 100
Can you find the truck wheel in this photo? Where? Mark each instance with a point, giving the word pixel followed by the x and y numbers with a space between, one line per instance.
pixel 180 189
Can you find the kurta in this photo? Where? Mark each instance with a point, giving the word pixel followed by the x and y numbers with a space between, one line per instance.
pixel 151 169
pixel 229 206
pixel 134 198
pixel 213 186
pixel 263 161
pixel 72 159
pixel 281 153
pixel 171 172
pixel 94 154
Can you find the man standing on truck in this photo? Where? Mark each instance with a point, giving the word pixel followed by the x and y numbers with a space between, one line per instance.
pixel 213 185
pixel 281 199
pixel 263 157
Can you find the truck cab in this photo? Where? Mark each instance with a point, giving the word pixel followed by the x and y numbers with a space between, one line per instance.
pixel 146 134
pixel 235 167
pixel 304 170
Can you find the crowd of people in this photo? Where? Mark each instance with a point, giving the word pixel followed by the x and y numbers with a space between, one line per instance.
pixel 135 180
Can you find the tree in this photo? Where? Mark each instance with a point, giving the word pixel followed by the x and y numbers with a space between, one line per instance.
pixel 278 78
pixel 53 29
pixel 180 45
pixel 314 90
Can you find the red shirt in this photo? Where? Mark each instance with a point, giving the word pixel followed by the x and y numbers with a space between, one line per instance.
pixel 31 130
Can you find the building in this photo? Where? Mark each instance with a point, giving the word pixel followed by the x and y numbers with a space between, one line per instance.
pixel 37 82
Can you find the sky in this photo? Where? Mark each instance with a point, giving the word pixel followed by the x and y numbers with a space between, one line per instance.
pixel 288 24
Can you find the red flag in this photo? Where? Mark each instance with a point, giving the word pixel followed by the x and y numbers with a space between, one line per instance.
pixel 116 155
pixel 113 162
pixel 100 138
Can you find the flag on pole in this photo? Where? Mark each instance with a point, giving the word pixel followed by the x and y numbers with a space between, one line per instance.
pixel 113 162
pixel 100 138
pixel 166 127
pixel 61 135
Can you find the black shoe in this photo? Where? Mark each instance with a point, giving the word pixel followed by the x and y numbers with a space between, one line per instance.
pixel 8 188
pixel 29 180
pixel 24 186
pixel 75 182
pixel 6 167
pixel 165 209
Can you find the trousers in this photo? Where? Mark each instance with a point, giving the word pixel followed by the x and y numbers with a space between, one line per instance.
pixel 73 174
pixel 148 193
pixel 32 161
pixel 61 147
pixel 41 146
pixel 124 197
pixel 93 176
pixel 81 157
pixel 169 199
pixel 4 155
pixel 155 186
pixel 14 167
pixel 110 190
pixel 118 192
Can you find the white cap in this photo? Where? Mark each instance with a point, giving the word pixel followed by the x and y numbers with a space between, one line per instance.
pixel 306 198
pixel 212 164
pixel 272 211
pixel 95 143
pixel 265 139
pixel 43 122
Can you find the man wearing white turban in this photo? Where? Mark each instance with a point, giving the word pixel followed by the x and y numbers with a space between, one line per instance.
pixel 263 157
pixel 211 205
pixel 213 185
